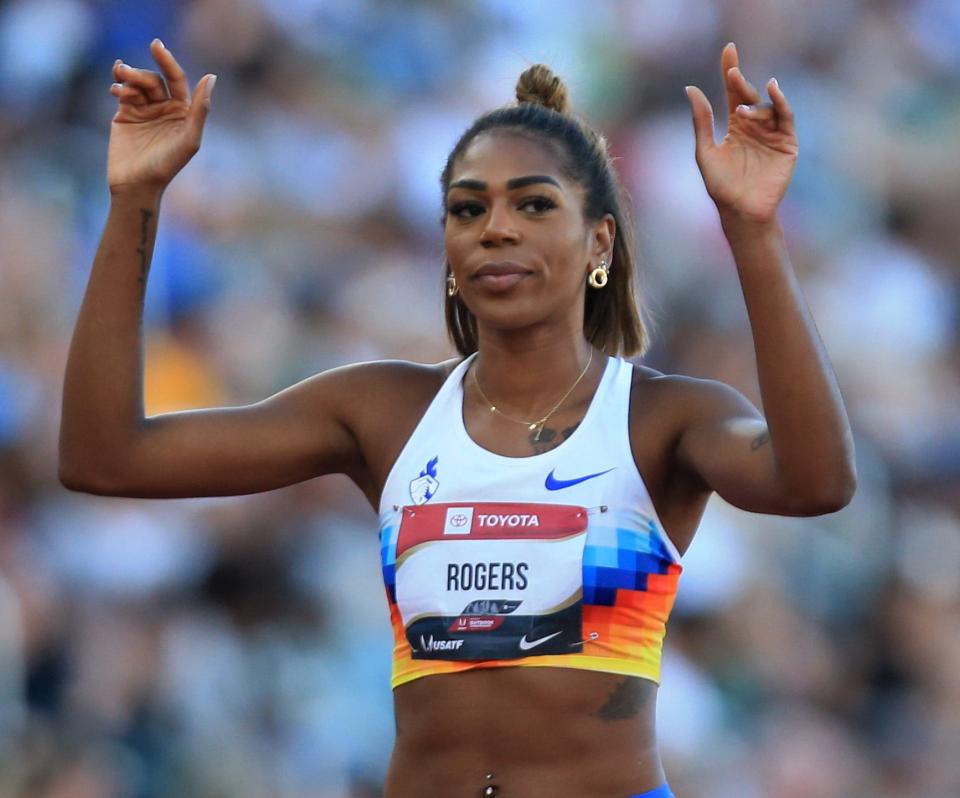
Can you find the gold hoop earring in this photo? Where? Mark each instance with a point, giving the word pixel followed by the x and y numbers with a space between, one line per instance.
pixel 598 277
pixel 452 288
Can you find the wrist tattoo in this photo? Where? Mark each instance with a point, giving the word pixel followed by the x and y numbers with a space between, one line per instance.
pixel 145 216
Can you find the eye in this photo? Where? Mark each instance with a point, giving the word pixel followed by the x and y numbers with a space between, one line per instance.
pixel 466 209
pixel 537 205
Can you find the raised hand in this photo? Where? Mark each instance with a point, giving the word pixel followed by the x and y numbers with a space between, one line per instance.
pixel 158 126
pixel 748 172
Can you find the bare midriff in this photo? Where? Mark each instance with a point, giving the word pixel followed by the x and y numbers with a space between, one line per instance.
pixel 524 733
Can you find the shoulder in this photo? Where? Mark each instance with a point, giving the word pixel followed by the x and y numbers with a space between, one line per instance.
pixel 362 397
pixel 395 373
pixel 381 403
pixel 379 399
pixel 664 408
pixel 694 395
pixel 678 402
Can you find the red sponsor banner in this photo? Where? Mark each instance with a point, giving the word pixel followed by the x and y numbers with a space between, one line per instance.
pixel 488 521
pixel 477 623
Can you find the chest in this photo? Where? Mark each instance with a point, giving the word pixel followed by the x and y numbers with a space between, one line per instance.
pixel 475 579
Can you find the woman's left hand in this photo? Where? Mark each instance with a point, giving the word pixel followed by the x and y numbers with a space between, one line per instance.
pixel 748 172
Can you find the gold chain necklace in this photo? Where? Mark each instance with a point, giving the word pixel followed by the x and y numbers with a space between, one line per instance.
pixel 532 425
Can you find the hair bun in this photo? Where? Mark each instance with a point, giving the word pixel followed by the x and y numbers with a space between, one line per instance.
pixel 538 85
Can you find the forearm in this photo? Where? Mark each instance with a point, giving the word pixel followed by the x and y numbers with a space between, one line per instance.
pixel 103 386
pixel 806 418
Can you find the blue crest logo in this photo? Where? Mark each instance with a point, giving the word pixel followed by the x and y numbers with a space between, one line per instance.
pixel 424 487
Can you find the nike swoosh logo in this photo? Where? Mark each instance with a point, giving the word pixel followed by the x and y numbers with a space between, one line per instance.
pixel 552 483
pixel 526 645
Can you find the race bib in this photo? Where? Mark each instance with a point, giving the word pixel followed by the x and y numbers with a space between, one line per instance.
pixel 491 580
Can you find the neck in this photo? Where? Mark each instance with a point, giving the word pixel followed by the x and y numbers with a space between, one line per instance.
pixel 528 373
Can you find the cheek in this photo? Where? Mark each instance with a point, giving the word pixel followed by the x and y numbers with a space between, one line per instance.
pixel 569 247
pixel 452 244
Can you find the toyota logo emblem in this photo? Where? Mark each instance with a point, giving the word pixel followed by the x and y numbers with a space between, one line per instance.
pixel 458 520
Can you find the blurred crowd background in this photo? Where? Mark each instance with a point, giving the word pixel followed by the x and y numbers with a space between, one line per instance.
pixel 240 648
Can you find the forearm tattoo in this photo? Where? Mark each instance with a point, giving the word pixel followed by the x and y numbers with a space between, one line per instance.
pixel 759 441
pixel 145 216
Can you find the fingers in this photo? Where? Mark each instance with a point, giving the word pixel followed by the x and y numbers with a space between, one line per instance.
pixel 142 86
pixel 785 121
pixel 200 105
pixel 149 83
pixel 127 94
pixel 745 102
pixel 738 90
pixel 729 58
pixel 702 119
pixel 176 78
pixel 764 112
pixel 775 115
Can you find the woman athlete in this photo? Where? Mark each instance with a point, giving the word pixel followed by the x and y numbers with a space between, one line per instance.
pixel 534 496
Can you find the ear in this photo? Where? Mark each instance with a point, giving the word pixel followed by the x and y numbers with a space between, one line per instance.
pixel 603 235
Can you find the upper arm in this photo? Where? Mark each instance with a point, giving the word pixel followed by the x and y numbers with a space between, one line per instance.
pixel 304 431
pixel 725 444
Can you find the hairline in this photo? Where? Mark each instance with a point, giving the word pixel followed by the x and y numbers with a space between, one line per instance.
pixel 559 151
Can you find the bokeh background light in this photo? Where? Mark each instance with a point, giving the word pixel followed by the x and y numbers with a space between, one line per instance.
pixel 239 648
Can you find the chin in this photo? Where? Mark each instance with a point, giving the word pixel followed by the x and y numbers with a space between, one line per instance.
pixel 516 318
pixel 506 314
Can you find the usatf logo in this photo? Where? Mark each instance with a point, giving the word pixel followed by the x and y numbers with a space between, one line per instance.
pixel 439 645
pixel 458 521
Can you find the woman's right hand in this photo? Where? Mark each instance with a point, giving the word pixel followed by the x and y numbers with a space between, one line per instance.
pixel 154 133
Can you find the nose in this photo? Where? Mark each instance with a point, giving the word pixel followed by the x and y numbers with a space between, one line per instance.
pixel 499 229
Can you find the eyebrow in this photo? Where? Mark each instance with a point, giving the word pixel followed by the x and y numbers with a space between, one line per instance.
pixel 512 183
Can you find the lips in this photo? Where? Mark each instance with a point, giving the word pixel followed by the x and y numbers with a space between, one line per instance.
pixel 501 275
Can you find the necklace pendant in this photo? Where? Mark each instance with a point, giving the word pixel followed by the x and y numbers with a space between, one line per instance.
pixel 493 409
pixel 532 426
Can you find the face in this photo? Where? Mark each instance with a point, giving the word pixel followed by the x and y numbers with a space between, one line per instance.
pixel 515 235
